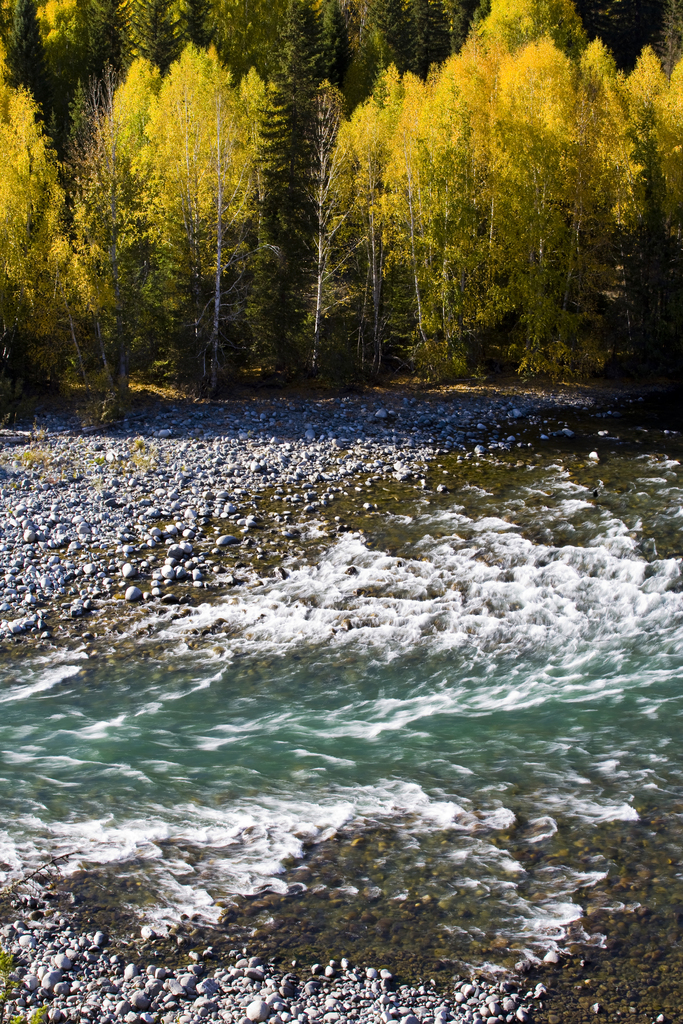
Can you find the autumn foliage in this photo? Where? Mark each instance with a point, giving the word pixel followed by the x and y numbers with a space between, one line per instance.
pixel 521 206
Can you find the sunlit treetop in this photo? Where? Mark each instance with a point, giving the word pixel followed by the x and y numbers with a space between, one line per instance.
pixel 518 22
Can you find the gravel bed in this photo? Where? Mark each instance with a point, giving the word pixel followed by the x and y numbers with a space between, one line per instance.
pixel 145 510
pixel 77 976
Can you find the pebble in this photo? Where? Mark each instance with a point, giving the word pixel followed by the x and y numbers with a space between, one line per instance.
pixel 99 989
pixel 258 1010
pixel 133 594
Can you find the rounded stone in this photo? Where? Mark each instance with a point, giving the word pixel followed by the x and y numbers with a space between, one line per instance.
pixel 140 1001
pixel 128 571
pixel 50 979
pixel 258 1010
pixel 226 540
pixel 130 972
pixel 133 594
pixel 62 962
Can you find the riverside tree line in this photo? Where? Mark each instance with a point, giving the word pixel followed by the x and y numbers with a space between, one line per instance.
pixel 347 197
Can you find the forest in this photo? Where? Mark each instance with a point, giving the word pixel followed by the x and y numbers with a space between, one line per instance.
pixel 194 190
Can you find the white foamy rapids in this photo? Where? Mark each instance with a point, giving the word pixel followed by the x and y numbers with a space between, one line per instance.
pixel 190 851
pixel 495 592
pixel 190 856
pixel 40 680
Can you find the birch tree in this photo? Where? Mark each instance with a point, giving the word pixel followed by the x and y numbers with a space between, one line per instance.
pixel 369 133
pixel 31 208
pixel 202 160
pixel 330 201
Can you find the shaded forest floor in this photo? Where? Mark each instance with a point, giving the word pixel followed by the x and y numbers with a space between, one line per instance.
pixel 143 395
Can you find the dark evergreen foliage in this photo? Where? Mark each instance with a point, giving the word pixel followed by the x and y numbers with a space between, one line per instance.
pixel 462 14
pixel 78 119
pixel 650 317
pixel 156 32
pixel 197 26
pixel 108 36
pixel 393 20
pixel 625 26
pixel 431 35
pixel 336 51
pixel 278 307
pixel 672 35
pixel 26 56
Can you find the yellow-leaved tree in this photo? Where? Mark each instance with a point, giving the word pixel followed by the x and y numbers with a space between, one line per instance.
pixel 202 157
pixel 330 198
pixel 407 199
pixel 113 200
pixel 652 250
pixel 64 29
pixel 519 22
pixel 442 210
pixel 367 137
pixel 536 143
pixel 31 205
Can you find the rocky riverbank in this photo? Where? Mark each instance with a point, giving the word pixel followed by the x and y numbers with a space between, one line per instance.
pixel 77 975
pixel 187 516
pixel 183 503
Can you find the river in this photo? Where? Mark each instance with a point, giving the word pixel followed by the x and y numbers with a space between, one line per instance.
pixel 454 736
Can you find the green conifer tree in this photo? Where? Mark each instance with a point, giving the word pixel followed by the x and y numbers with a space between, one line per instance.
pixel 284 269
pixel 336 50
pixel 672 35
pixel 462 14
pixel 197 27
pixel 392 20
pixel 78 119
pixel 625 26
pixel 431 35
pixel 156 32
pixel 108 36
pixel 25 59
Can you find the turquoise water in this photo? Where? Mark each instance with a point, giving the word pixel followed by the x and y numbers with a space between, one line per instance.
pixel 474 738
